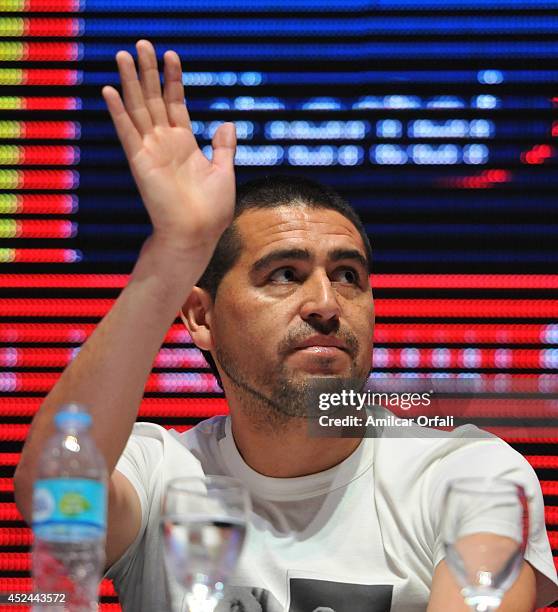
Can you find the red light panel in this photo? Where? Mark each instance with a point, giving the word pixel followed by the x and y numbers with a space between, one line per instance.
pixel 45 204
pixel 66 27
pixel 39 255
pixel 451 308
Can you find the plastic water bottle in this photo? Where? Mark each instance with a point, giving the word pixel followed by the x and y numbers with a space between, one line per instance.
pixel 69 517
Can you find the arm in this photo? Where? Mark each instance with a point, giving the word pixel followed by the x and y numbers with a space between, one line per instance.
pixel 190 201
pixel 493 458
pixel 445 595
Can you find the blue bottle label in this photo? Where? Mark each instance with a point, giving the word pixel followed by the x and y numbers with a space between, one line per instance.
pixel 69 509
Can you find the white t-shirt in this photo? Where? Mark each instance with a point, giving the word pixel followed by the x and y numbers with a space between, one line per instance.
pixel 360 536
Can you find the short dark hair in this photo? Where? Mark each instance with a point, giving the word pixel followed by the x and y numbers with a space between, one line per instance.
pixel 271 192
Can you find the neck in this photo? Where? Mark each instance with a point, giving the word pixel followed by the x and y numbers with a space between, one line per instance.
pixel 287 451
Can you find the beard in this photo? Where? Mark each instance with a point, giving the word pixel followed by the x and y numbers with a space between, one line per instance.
pixel 281 397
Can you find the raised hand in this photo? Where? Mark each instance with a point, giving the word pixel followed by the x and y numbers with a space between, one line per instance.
pixel 190 199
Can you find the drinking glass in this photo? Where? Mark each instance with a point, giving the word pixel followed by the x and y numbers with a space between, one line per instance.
pixel 485 524
pixel 204 526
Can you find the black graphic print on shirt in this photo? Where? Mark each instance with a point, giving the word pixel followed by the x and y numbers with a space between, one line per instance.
pixel 310 595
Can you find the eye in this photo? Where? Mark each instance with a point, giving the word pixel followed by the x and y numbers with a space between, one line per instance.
pixel 348 275
pixel 283 275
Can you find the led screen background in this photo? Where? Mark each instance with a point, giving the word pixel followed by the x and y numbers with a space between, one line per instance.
pixel 435 119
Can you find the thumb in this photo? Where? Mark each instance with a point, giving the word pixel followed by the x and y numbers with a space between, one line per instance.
pixel 224 146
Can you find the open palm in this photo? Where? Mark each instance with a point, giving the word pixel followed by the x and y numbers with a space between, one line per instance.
pixel 189 198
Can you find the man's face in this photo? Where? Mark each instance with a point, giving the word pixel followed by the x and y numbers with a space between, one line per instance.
pixel 301 279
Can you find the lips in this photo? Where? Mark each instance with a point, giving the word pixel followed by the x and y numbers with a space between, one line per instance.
pixel 322 341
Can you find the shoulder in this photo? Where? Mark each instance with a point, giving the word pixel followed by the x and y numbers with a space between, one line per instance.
pixel 150 445
pixel 213 428
pixel 421 456
pixel 152 435
pixel 144 447
pixel 487 457
pixel 202 441
pixel 153 450
pixel 162 440
pixel 404 440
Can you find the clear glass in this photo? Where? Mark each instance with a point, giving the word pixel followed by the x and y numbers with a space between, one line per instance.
pixel 203 523
pixel 485 525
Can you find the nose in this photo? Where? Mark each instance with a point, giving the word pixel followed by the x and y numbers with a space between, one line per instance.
pixel 320 299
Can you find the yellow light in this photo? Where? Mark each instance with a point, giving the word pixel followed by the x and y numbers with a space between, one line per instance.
pixel 10 155
pixel 12 26
pixel 10 129
pixel 9 179
pixel 8 228
pixel 8 203
pixel 7 255
pixel 11 51
pixel 12 6
pixel 11 103
pixel 11 76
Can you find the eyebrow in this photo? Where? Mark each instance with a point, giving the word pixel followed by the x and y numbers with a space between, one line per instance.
pixel 280 255
pixel 353 254
pixel 304 255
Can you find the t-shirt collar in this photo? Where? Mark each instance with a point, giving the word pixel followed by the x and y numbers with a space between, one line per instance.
pixel 300 487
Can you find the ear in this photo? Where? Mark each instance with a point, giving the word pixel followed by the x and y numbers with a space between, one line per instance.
pixel 196 316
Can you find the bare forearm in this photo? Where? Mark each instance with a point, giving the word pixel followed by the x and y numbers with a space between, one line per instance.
pixel 446 594
pixel 110 372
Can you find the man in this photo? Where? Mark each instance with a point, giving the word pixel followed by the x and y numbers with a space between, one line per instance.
pixel 285 301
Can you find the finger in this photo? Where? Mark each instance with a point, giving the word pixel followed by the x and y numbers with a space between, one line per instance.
pixel 125 129
pixel 224 146
pixel 132 93
pixel 174 92
pixel 150 82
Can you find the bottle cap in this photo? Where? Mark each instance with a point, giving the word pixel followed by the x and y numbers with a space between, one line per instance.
pixel 72 416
